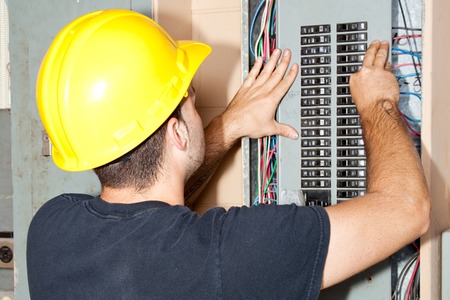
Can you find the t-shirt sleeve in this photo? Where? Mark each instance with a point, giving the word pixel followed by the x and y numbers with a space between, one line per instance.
pixel 273 252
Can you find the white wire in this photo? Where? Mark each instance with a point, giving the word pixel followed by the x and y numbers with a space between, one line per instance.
pixel 263 24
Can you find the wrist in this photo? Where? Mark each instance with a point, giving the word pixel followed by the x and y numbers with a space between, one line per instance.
pixel 226 126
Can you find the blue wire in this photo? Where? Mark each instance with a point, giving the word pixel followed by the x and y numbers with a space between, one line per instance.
pixel 411 119
pixel 253 24
pixel 413 94
pixel 407 75
pixel 407 52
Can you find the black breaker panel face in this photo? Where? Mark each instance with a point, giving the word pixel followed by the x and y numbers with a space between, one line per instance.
pixel 328 163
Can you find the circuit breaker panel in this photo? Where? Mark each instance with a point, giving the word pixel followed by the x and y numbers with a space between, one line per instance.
pixel 328 39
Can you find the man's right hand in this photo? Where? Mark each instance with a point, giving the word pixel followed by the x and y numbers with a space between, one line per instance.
pixel 375 81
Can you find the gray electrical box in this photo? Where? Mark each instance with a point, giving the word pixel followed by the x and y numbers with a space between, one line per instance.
pixel 328 39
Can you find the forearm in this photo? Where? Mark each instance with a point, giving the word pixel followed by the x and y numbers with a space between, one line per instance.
pixel 391 153
pixel 394 172
pixel 395 209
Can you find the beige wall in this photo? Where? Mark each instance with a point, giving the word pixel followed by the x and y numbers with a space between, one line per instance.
pixel 435 139
pixel 217 23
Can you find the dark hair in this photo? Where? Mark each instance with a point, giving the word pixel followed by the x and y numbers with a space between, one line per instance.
pixel 139 168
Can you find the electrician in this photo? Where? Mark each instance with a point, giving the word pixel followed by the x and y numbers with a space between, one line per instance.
pixel 114 94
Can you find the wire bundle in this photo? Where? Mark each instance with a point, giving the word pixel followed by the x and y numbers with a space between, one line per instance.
pixel 407 71
pixel 267 156
pixel 412 290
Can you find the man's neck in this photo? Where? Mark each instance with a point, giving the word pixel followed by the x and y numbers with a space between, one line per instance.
pixel 169 195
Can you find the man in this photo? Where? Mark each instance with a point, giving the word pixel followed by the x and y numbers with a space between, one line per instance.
pixel 144 138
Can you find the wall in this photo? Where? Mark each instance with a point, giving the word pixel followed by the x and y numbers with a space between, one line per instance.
pixel 435 139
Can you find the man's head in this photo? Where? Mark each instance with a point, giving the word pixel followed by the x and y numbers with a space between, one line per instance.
pixel 140 168
pixel 109 80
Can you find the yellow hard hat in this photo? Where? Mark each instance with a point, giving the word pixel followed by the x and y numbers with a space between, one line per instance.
pixel 108 81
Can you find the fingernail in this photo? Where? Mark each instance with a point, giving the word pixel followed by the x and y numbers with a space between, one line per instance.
pixel 293 135
pixel 286 52
pixel 259 59
pixel 376 41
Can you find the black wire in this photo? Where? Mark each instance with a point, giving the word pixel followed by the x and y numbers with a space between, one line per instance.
pixel 407 28
pixel 401 277
pixel 409 42
pixel 416 286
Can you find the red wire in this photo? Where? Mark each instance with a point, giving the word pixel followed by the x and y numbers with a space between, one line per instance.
pixel 406 65
pixel 413 36
pixel 416 267
pixel 414 133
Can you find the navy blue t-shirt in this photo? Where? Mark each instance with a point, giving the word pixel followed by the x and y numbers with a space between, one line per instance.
pixel 81 247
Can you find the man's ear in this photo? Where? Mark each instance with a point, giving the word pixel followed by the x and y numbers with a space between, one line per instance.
pixel 176 133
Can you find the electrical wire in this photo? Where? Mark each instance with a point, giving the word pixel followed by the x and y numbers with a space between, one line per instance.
pixel 407 32
pixel 252 26
pixel 263 46
pixel 413 54
pixel 402 276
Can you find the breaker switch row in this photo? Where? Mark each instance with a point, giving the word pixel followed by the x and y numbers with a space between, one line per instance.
pixel 348 69
pixel 317 152
pixel 315 29
pixel 316 183
pixel 316 173
pixel 350 142
pixel 353 163
pixel 316 71
pixel 355 26
pixel 316 143
pixel 351 173
pixel 316 60
pixel 351 152
pixel 348 121
pixel 346 59
pixel 315 122
pixel 351 37
pixel 316 81
pixel 349 132
pixel 316 132
pixel 344 100
pixel 350 194
pixel 315 112
pixel 319 39
pixel 342 111
pixel 322 101
pixel 351 183
pixel 314 163
pixel 352 48
pixel 315 50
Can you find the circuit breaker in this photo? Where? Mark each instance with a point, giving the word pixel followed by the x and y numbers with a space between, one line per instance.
pixel 328 39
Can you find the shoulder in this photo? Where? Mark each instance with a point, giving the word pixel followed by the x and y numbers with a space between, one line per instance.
pixel 63 200
pixel 284 214
pixel 57 205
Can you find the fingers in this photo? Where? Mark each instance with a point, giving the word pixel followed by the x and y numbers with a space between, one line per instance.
pixel 287 131
pixel 382 54
pixel 376 55
pixel 254 72
pixel 282 87
pixel 270 65
pixel 371 52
